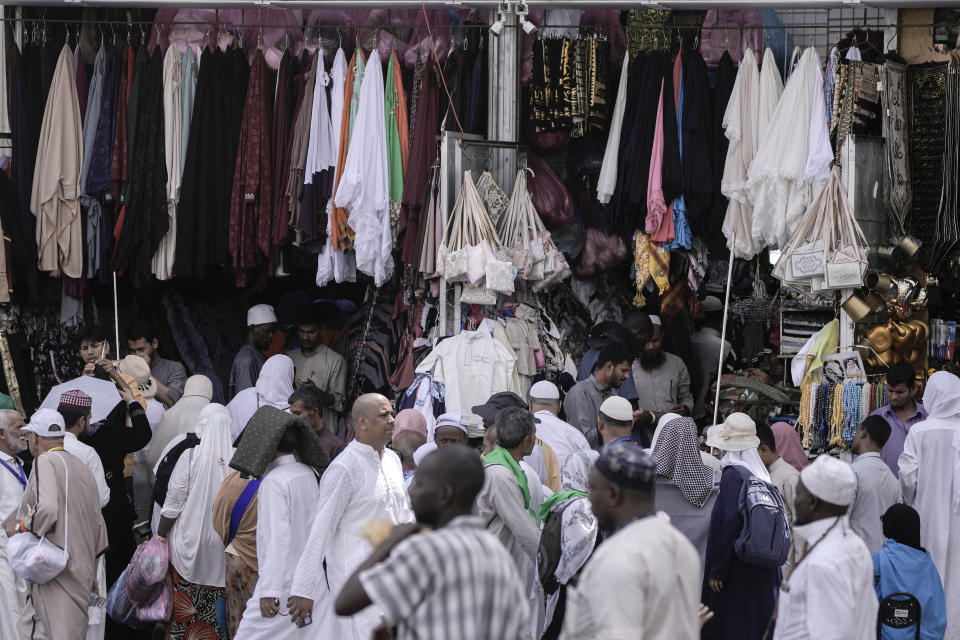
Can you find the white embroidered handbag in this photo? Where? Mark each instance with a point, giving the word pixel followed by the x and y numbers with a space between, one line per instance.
pixel 36 559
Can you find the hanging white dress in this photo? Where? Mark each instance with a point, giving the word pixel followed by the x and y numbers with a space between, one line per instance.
pixel 364 190
pixel 162 262
pixel 321 148
pixel 336 266
pixel 771 88
pixel 776 182
pixel 607 183
pixel 740 122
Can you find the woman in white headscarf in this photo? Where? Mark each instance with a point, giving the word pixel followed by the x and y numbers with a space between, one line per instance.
pixel 930 481
pixel 196 551
pixel 742 596
pixel 274 388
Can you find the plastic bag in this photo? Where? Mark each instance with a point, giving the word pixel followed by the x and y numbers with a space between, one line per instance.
pixel 601 251
pixel 161 608
pixel 119 607
pixel 148 570
pixel 550 197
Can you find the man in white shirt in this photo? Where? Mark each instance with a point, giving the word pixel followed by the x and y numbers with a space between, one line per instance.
pixel 830 595
pixel 13 481
pixel 563 438
pixel 644 580
pixel 877 487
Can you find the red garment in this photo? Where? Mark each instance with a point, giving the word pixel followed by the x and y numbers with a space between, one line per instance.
pixel 251 201
pixel 120 159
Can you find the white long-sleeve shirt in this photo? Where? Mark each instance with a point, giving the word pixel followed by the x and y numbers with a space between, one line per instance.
pixel 13 590
pixel 472 366
pixel 359 485
pixel 830 594
pixel 88 455
pixel 562 437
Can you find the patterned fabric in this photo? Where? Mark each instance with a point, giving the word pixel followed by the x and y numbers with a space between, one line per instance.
pixel 75 399
pixel 650 261
pixel 259 440
pixel 927 87
pixel 677 456
pixel 241 581
pixel 194 611
pixel 897 190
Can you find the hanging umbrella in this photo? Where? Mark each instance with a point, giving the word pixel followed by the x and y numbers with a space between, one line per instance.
pixel 103 393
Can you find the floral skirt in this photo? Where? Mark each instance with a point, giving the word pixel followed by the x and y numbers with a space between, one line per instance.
pixel 194 611
pixel 241 581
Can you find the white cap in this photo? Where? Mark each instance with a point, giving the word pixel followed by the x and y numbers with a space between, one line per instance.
pixel 544 390
pixel 422 452
pixel 656 321
pixel 451 420
pixel 711 303
pixel 261 314
pixel 46 423
pixel 830 479
pixel 617 408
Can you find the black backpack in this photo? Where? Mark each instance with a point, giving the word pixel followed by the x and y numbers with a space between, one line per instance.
pixel 548 555
pixel 165 468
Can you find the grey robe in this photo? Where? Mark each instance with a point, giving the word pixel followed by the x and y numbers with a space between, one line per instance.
pixel 57 610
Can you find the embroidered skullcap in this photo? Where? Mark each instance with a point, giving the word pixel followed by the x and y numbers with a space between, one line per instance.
pixel 544 390
pixel 76 399
pixel 626 464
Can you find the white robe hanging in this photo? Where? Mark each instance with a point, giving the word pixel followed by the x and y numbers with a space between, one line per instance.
pixel 740 122
pixel 607 183
pixel 336 266
pixel 777 180
pixel 930 481
pixel 364 191
pixel 288 492
pixel 359 485
pixel 771 88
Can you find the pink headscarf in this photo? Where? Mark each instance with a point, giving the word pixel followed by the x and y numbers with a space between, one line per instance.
pixel 788 445
pixel 410 420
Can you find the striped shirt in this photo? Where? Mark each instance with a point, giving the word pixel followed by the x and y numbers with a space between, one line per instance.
pixel 456 583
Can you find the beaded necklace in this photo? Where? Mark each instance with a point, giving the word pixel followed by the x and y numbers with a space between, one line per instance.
pixel 851 411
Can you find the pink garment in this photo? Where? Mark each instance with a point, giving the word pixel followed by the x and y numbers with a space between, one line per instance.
pixel 666 232
pixel 677 81
pixel 656 205
pixel 788 445
pixel 731 30
pixel 410 420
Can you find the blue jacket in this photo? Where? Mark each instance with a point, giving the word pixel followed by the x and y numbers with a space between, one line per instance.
pixel 900 568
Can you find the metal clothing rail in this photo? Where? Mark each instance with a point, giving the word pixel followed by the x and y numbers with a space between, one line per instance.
pixel 493 4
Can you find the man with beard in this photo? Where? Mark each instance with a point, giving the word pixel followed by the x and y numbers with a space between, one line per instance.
pixel 662 382
pixel 171 376
pixel 13 481
pixel 582 404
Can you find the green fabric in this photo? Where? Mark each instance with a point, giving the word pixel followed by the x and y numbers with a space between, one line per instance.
pixel 547 505
pixel 358 70
pixel 6 402
pixel 394 157
pixel 502 457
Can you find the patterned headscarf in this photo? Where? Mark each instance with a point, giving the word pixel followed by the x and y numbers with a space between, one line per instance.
pixel 678 458
pixel 258 443
pixel 576 471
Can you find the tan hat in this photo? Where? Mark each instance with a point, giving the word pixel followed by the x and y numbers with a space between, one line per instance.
pixel 737 433
pixel 138 369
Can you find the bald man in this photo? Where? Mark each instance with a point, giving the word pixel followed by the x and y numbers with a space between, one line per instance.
pixel 456 581
pixel 405 443
pixel 363 483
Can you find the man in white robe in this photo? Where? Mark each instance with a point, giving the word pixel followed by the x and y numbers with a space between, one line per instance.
pixel 930 481
pixel 13 590
pixel 364 483
pixel 287 491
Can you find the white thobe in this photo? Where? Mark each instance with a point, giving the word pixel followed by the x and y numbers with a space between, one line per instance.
pixel 830 594
pixel 13 590
pixel 607 182
pixel 289 490
pixel 562 437
pixel 359 485
pixel 926 478
pixel 740 123
pixel 364 190
pixel 162 263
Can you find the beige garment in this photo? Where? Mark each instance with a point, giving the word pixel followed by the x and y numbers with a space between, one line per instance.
pixel 4 281
pixel 57 610
pixel 786 477
pixel 552 465
pixel 244 543
pixel 328 370
pixel 162 264
pixel 55 196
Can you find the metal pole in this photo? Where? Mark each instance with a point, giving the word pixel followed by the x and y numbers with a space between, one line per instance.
pixel 723 332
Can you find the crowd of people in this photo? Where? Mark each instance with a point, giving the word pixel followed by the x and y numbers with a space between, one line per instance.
pixel 598 512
